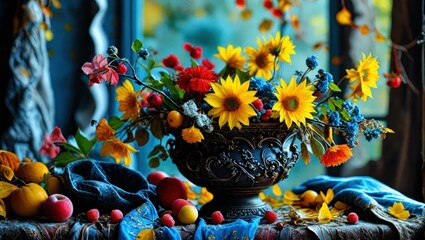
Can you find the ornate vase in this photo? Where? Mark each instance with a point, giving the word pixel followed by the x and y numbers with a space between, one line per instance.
pixel 235 166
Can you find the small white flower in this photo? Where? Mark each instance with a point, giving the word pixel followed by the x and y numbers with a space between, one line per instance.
pixel 190 109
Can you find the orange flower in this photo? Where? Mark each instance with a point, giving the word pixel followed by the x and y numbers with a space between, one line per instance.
pixel 104 131
pixel 118 150
pixel 336 155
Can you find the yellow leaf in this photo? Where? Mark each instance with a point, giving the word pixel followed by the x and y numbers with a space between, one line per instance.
pixel 389 130
pixel 6 172
pixel 190 193
pixel 56 3
pixel 379 37
pixel 276 190
pixel 246 14
pixel 364 29
pixel 343 17
pixel 295 22
pixel 2 208
pixel 265 25
pixel 398 211
pixel 324 214
pixel 304 154
pixel 340 205
pixel 6 189
pixel 48 35
pixel 205 196
pixel 146 234
pixel 328 197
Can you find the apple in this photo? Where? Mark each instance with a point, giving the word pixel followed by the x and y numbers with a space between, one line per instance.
pixel 169 189
pixel 156 176
pixel 58 208
pixel 178 204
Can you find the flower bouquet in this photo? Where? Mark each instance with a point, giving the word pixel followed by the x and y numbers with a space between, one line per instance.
pixel 235 130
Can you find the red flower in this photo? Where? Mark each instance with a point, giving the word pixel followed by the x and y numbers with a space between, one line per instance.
pixel 336 155
pixel 98 70
pixel 172 61
pixel 196 79
pixel 208 64
pixel 48 147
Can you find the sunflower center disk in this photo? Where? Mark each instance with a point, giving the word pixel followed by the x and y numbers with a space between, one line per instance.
pixel 291 103
pixel 232 104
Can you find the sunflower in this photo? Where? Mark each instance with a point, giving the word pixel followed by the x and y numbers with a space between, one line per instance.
pixel 128 99
pixel 118 150
pixel 363 78
pixel 231 56
pixel 104 131
pixel 230 102
pixel 282 48
pixel 336 155
pixel 295 102
pixel 192 135
pixel 260 62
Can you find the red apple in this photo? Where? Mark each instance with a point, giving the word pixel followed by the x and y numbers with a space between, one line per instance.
pixel 156 176
pixel 169 189
pixel 58 208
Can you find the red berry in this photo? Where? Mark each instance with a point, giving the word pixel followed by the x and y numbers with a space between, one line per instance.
pixel 155 100
pixel 258 104
pixel 196 52
pixel 121 68
pixel 240 3
pixel 268 113
pixel 264 118
pixel 268 4
pixel 93 214
pixel 277 13
pixel 167 220
pixel 352 218
pixel 270 216
pixel 188 47
pixel 171 61
pixel 217 217
pixel 394 82
pixel 116 216
pixel 279 225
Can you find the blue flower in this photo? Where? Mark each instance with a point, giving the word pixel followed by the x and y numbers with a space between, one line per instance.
pixel 372 133
pixel 324 78
pixel 334 118
pixel 312 62
pixel 351 130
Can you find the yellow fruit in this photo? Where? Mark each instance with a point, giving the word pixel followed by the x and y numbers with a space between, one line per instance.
pixel 32 172
pixel 188 214
pixel 9 159
pixel 308 199
pixel 174 119
pixel 27 201
pixel 54 185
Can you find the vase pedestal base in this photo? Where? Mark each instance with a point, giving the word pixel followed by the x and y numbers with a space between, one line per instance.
pixel 235 204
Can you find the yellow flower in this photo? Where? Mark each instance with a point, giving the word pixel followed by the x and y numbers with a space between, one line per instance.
pixel 231 56
pixel 128 99
pixel 295 102
pixel 398 211
pixel 192 135
pixel 322 198
pixel 204 196
pixel 325 215
pixel 343 17
pixel 230 102
pixel 336 155
pixel 282 48
pixel 118 150
pixel 260 62
pixel 363 78
pixel 104 131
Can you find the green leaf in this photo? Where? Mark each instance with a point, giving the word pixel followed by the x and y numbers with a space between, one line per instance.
pixel 317 147
pixel 83 143
pixel 304 153
pixel 194 63
pixel 345 115
pixel 115 122
pixel 334 87
pixel 142 136
pixel 338 102
pixel 66 157
pixel 331 105
pixel 136 45
pixel 151 63
pixel 154 162
pixel 157 149
pixel 156 127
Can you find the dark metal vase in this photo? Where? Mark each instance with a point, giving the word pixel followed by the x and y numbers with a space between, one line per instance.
pixel 235 166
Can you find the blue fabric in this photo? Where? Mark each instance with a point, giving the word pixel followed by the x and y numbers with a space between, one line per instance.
pixel 144 217
pixel 239 229
pixel 362 192
pixel 106 186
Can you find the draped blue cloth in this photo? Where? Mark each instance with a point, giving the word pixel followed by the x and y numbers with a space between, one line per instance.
pixel 372 198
